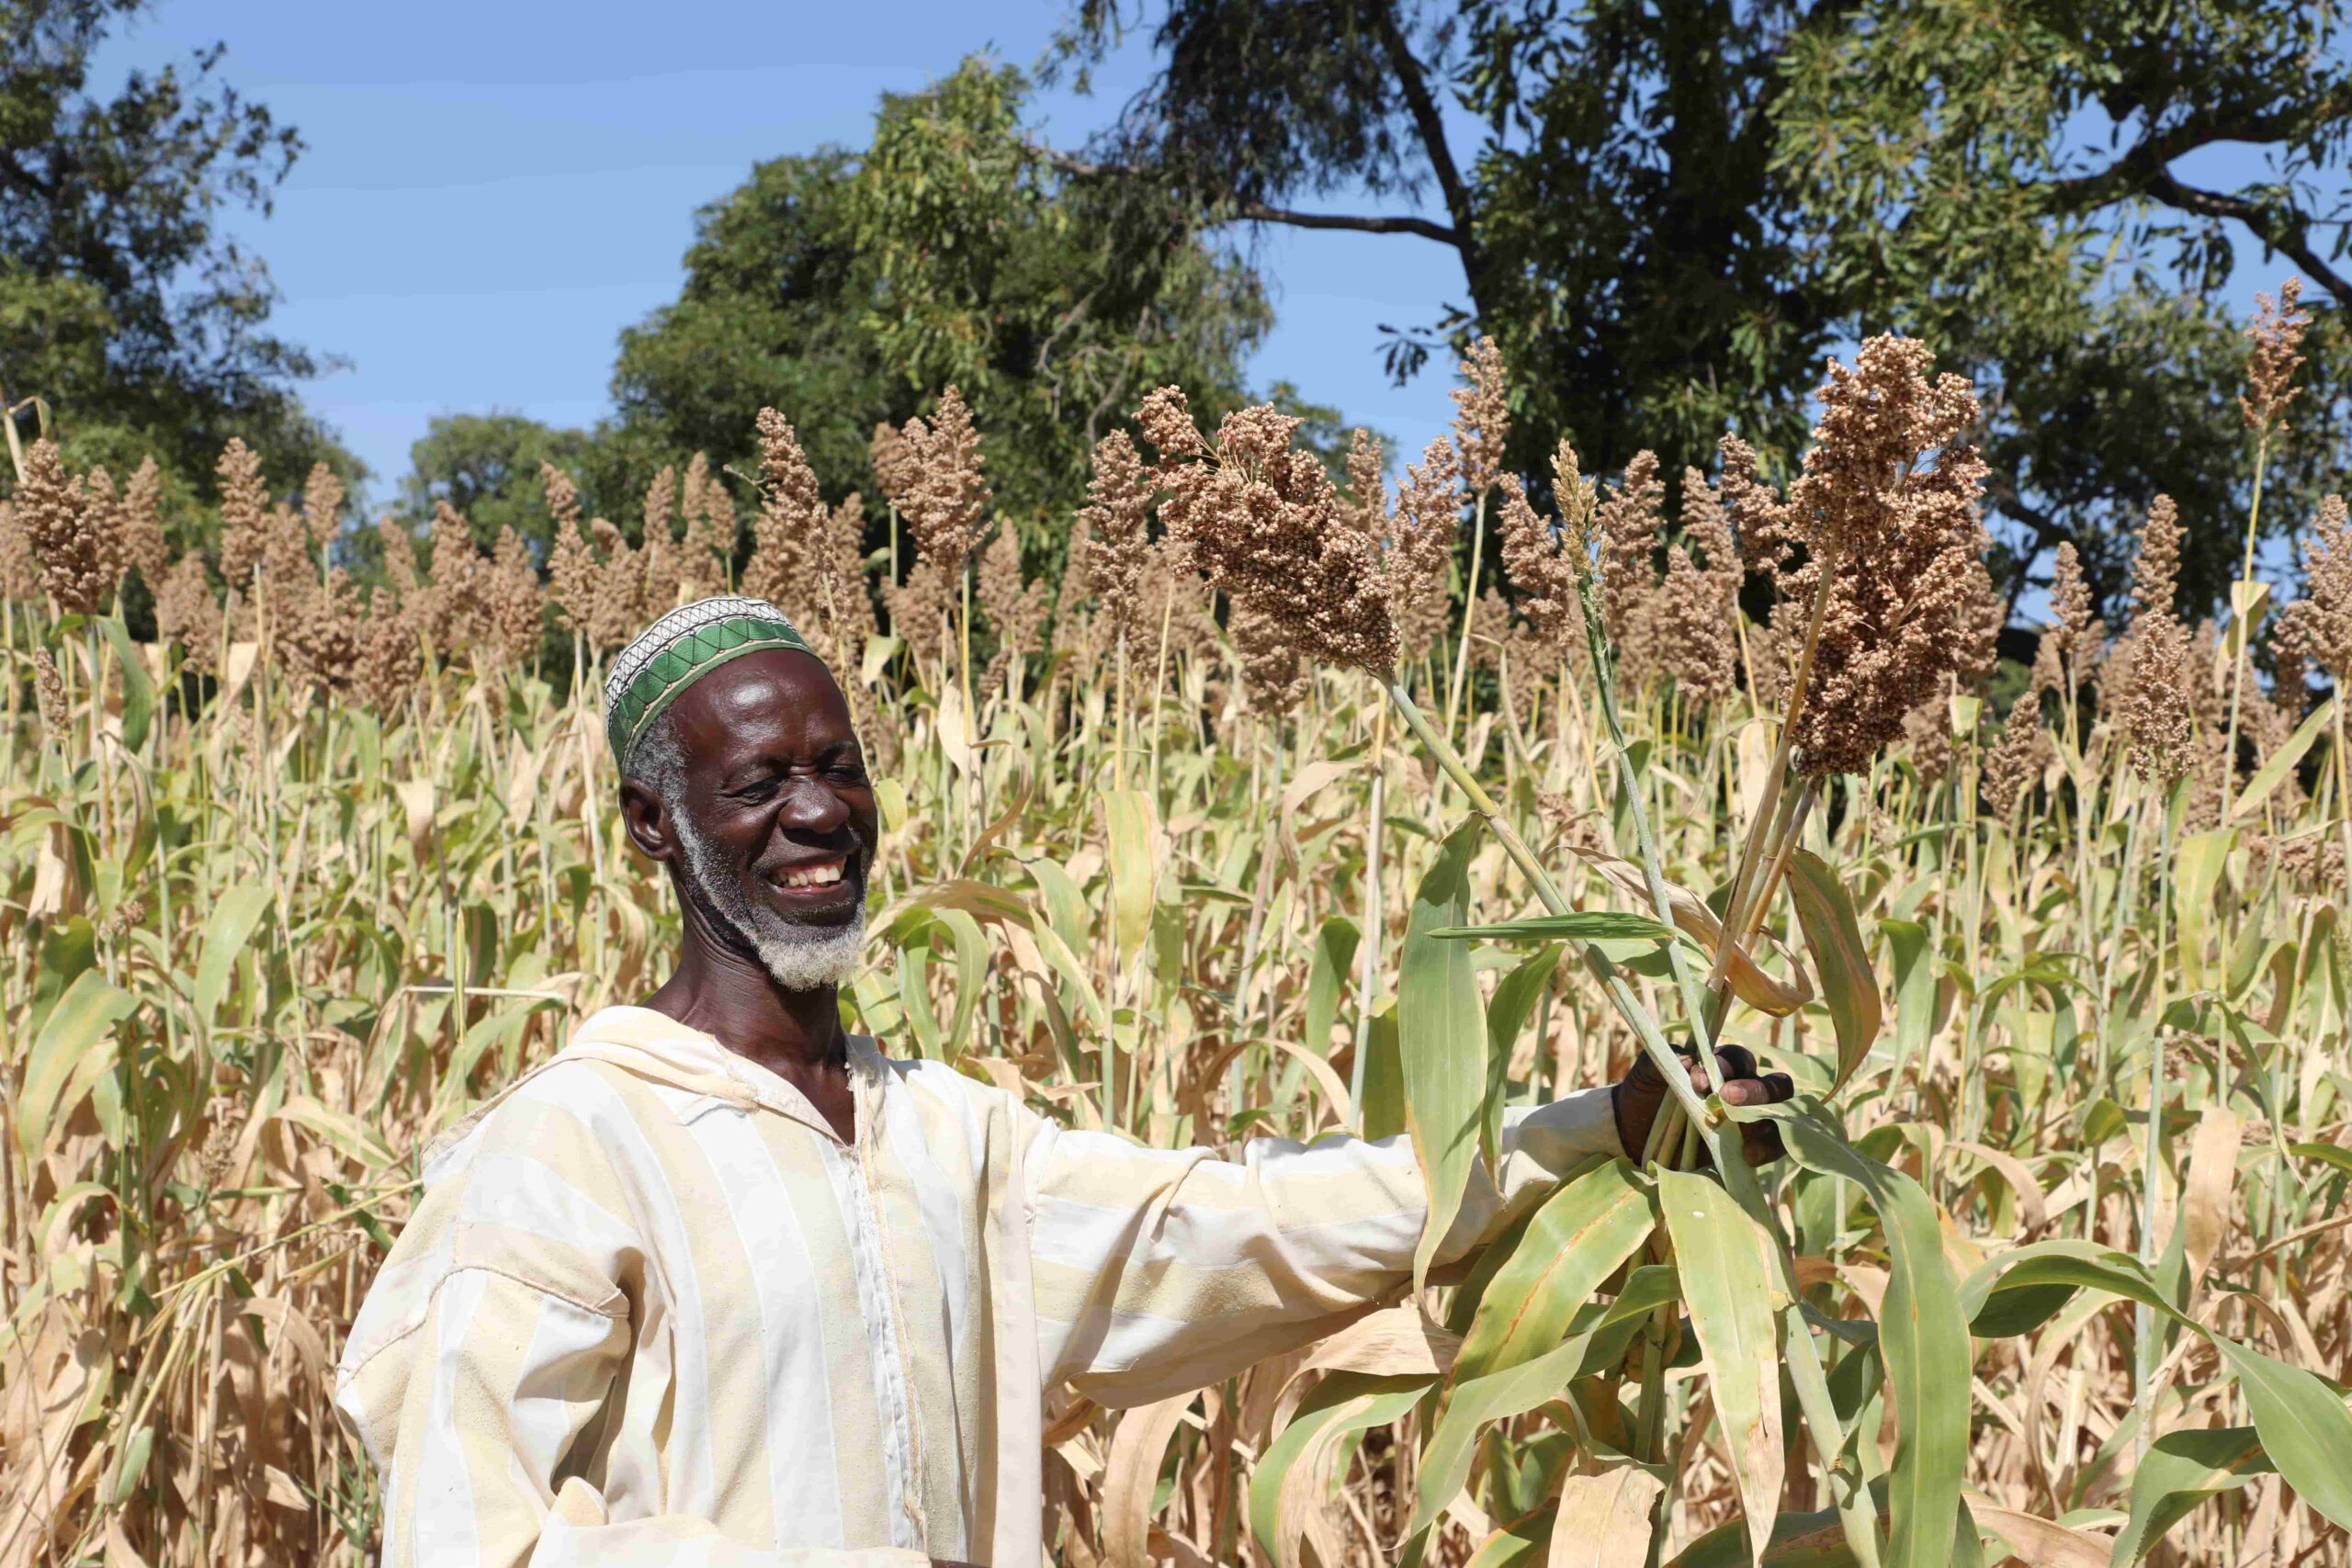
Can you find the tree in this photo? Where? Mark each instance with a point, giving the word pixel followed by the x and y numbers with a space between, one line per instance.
pixel 487 466
pixel 1671 210
pixel 122 307
pixel 846 289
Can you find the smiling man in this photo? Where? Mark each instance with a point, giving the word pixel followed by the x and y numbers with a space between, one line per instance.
pixel 722 1283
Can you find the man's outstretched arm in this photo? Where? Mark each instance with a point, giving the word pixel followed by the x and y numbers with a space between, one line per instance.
pixel 1157 1272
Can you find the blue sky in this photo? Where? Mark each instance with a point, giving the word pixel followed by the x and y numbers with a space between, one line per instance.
pixel 492 191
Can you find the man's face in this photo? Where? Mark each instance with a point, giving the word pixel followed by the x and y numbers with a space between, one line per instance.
pixel 774 831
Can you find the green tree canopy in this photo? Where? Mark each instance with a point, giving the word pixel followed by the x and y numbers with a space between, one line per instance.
pixel 845 289
pixel 1669 212
pixel 122 306
pixel 487 466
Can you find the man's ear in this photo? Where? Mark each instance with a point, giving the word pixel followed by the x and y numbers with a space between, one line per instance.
pixel 648 821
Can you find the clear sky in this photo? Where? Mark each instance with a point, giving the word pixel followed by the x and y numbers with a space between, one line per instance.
pixel 492 191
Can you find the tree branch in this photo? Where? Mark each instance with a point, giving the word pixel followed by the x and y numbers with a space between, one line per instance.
pixel 2289 236
pixel 1257 211
pixel 2146 170
pixel 1430 126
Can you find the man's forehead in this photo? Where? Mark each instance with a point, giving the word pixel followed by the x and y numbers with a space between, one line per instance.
pixel 766 692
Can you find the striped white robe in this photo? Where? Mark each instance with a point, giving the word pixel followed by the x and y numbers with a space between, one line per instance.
pixel 651 1310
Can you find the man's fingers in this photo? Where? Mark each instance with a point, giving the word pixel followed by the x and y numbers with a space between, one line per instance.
pixel 1761 1141
pixel 1737 1061
pixel 1778 1087
pixel 1695 1067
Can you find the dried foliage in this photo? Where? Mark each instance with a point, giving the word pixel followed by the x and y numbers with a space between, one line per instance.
pixel 403 835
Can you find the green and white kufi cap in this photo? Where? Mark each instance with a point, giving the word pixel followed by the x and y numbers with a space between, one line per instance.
pixel 681 648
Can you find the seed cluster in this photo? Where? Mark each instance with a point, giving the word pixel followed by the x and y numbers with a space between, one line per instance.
pixel 2155 660
pixel 1263 520
pixel 1420 547
pixel 2318 626
pixel 1885 509
pixel 1699 603
pixel 1116 523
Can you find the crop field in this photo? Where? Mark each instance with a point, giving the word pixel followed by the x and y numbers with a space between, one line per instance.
pixel 1302 800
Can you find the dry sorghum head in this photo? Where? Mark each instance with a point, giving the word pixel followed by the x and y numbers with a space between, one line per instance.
pixel 49 692
pixel 1420 547
pixel 2156 709
pixel 894 464
pixel 1263 520
pixel 186 611
pixel 71 542
pixel 1886 504
pixel 244 513
pixel 2277 334
pixel 2320 620
pixel 142 527
pixel 2018 758
pixel 2070 600
pixel 1482 417
pixel 323 505
pixel 1116 521
pixel 946 504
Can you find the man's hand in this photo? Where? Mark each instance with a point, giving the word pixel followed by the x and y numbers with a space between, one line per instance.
pixel 1640 1094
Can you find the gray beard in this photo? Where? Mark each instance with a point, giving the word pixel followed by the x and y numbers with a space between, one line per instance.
pixel 797 957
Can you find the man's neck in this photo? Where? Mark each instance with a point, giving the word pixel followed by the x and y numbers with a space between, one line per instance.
pixel 728 996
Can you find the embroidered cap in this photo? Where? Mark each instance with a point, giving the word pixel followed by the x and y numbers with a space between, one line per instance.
pixel 681 648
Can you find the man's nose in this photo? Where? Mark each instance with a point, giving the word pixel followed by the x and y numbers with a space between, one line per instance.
pixel 809 806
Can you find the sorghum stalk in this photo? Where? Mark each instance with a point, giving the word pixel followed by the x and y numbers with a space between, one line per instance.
pixel 1735 909
pixel 1453 704
pixel 1548 892
pixel 2146 1345
pixel 1368 944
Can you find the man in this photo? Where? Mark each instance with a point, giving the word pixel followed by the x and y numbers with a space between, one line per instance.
pixel 721 1284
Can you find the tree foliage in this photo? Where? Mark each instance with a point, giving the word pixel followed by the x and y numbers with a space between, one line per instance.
pixel 123 307
pixel 487 466
pixel 1668 212
pixel 845 289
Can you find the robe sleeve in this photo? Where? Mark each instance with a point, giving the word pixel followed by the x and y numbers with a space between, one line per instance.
pixel 1159 1271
